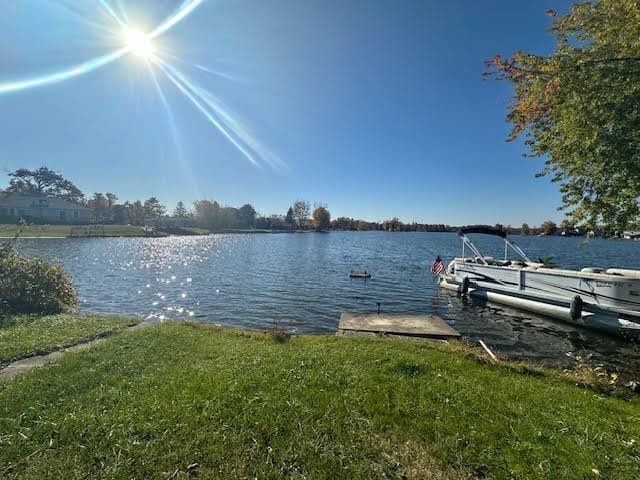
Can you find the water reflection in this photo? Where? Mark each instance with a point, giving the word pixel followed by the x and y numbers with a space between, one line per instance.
pixel 302 281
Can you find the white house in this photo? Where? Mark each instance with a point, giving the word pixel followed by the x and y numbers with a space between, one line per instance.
pixel 43 209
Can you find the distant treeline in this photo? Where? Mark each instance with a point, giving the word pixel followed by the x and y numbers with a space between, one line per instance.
pixel 211 215
pixel 392 225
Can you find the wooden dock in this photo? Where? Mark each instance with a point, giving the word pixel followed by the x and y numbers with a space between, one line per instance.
pixel 402 326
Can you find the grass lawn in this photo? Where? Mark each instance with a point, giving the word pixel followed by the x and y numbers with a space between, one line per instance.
pixel 193 401
pixel 72 230
pixel 36 230
pixel 196 230
pixel 24 336
pixel 31 231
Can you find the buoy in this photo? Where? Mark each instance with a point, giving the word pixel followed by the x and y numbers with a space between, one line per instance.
pixel 354 274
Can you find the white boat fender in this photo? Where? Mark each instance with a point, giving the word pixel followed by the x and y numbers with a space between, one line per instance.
pixel 575 309
pixel 464 288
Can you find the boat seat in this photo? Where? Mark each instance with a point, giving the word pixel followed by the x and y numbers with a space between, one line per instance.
pixel 488 260
pixel 557 270
pixel 533 265
pixel 625 272
pixel 592 270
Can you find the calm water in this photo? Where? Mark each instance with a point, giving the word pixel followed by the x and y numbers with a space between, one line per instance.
pixel 301 281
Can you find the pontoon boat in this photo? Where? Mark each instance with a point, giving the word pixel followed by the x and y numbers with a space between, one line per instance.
pixel 605 299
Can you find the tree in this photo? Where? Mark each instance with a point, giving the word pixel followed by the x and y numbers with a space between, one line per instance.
pixel 135 213
pixel 207 214
pixel 525 229
pixel 43 181
pixel 393 225
pixel 301 210
pixel 289 217
pixel 229 217
pixel 321 218
pixel 120 214
pixel 98 205
pixel 578 108
pixel 111 199
pixel 153 208
pixel 180 211
pixel 246 216
pixel 548 228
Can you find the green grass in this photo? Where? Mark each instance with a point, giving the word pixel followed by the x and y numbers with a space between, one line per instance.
pixel 24 336
pixel 31 231
pixel 191 401
pixel 36 230
pixel 72 230
pixel 196 230
pixel 243 230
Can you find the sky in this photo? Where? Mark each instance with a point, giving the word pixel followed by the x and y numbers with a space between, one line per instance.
pixel 374 108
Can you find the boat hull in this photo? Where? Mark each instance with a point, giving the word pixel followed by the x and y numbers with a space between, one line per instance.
pixel 616 291
pixel 607 303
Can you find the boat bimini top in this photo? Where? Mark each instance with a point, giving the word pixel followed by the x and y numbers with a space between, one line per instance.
pixel 466 242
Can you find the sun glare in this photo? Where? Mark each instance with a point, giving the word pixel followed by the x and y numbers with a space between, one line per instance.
pixel 138 43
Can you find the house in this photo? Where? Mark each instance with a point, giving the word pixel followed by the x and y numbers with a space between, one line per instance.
pixel 42 209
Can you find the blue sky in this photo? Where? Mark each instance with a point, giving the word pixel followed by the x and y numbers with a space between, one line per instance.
pixel 375 108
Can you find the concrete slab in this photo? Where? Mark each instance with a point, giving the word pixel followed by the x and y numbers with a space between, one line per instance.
pixel 424 326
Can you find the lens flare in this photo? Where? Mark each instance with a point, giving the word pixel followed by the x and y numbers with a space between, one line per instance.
pixel 137 43
pixel 95 63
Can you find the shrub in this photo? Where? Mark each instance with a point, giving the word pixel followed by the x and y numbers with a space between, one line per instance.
pixel 31 285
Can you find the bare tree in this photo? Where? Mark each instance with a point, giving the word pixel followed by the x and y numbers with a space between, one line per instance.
pixel 301 210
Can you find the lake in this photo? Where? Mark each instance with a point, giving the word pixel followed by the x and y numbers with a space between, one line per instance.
pixel 300 282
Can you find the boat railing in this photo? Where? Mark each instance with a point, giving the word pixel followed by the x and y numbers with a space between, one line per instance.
pixel 467 243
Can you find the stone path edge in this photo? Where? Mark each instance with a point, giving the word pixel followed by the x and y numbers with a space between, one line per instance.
pixel 24 365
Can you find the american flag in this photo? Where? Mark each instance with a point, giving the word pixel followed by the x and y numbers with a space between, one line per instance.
pixel 438 266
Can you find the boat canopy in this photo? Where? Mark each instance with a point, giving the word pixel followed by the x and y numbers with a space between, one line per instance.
pixel 487 230
pixel 483 229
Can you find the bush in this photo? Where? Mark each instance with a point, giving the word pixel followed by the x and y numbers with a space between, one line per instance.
pixel 31 285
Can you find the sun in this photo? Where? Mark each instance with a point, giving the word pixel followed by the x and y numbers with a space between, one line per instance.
pixel 138 43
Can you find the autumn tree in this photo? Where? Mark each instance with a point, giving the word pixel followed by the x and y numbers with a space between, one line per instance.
pixel 525 229
pixel 321 218
pixel 578 108
pixel 548 228
pixel 43 181
pixel 393 225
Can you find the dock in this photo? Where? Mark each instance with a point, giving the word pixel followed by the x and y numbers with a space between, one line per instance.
pixel 396 326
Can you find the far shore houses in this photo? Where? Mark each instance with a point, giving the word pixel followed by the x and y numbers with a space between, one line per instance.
pixel 42 209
